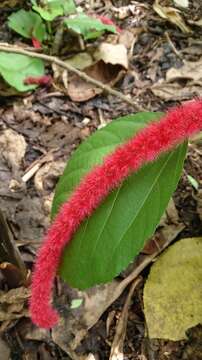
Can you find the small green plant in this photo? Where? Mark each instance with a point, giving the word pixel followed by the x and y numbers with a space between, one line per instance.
pixel 36 24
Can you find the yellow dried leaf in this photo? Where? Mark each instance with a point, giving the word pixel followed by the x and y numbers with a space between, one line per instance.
pixel 173 292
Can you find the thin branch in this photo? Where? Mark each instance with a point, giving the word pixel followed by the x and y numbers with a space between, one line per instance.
pixel 52 59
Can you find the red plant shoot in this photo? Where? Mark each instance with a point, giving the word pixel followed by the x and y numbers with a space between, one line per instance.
pixel 36 43
pixel 38 80
pixel 107 21
pixel 158 137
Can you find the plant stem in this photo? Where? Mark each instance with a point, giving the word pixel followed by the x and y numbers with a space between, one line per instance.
pixel 82 75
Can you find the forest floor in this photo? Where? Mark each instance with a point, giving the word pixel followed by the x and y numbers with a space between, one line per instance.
pixel 39 130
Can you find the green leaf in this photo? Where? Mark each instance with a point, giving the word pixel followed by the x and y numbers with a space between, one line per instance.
pixel 27 24
pixel 173 292
pixel 193 182
pixel 116 232
pixel 54 8
pixel 15 68
pixel 76 303
pixel 87 26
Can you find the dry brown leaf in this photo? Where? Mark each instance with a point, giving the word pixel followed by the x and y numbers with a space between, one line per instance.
pixel 13 147
pixel 111 61
pixel 191 70
pixel 79 90
pixel 197 22
pixel 176 92
pixel 12 304
pixel 114 54
pixel 95 301
pixel 4 350
pixel 171 14
pixel 44 178
pixel 78 321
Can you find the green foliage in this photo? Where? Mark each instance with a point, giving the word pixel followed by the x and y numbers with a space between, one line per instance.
pixel 116 232
pixel 193 182
pixel 14 68
pixel 54 8
pixel 173 292
pixel 76 303
pixel 28 24
pixel 88 27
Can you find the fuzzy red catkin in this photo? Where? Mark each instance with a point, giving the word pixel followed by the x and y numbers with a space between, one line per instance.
pixel 158 137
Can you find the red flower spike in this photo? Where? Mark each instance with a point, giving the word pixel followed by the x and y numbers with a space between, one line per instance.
pixel 158 137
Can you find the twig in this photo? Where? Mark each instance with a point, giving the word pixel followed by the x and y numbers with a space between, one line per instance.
pixel 172 45
pixel 82 75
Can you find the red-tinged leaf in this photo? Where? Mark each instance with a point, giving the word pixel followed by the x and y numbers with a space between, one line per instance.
pixel 36 43
pixel 107 21
pixel 38 80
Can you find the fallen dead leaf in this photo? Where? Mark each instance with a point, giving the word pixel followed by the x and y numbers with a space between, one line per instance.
pixel 4 350
pixel 191 70
pixel 95 301
pixel 169 228
pixel 45 177
pixel 172 293
pixel 114 54
pixel 171 14
pixel 13 147
pixel 175 91
pixel 12 304
pixel 110 63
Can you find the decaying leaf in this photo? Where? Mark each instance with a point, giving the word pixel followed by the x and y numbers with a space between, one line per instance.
pixel 80 61
pixel 109 64
pixel 13 147
pixel 12 303
pixel 191 71
pixel 114 54
pixel 4 350
pixel 171 14
pixel 173 293
pixel 174 91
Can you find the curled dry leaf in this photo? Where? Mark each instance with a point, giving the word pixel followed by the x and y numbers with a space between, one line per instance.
pixel 110 61
pixel 172 15
pixel 114 54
